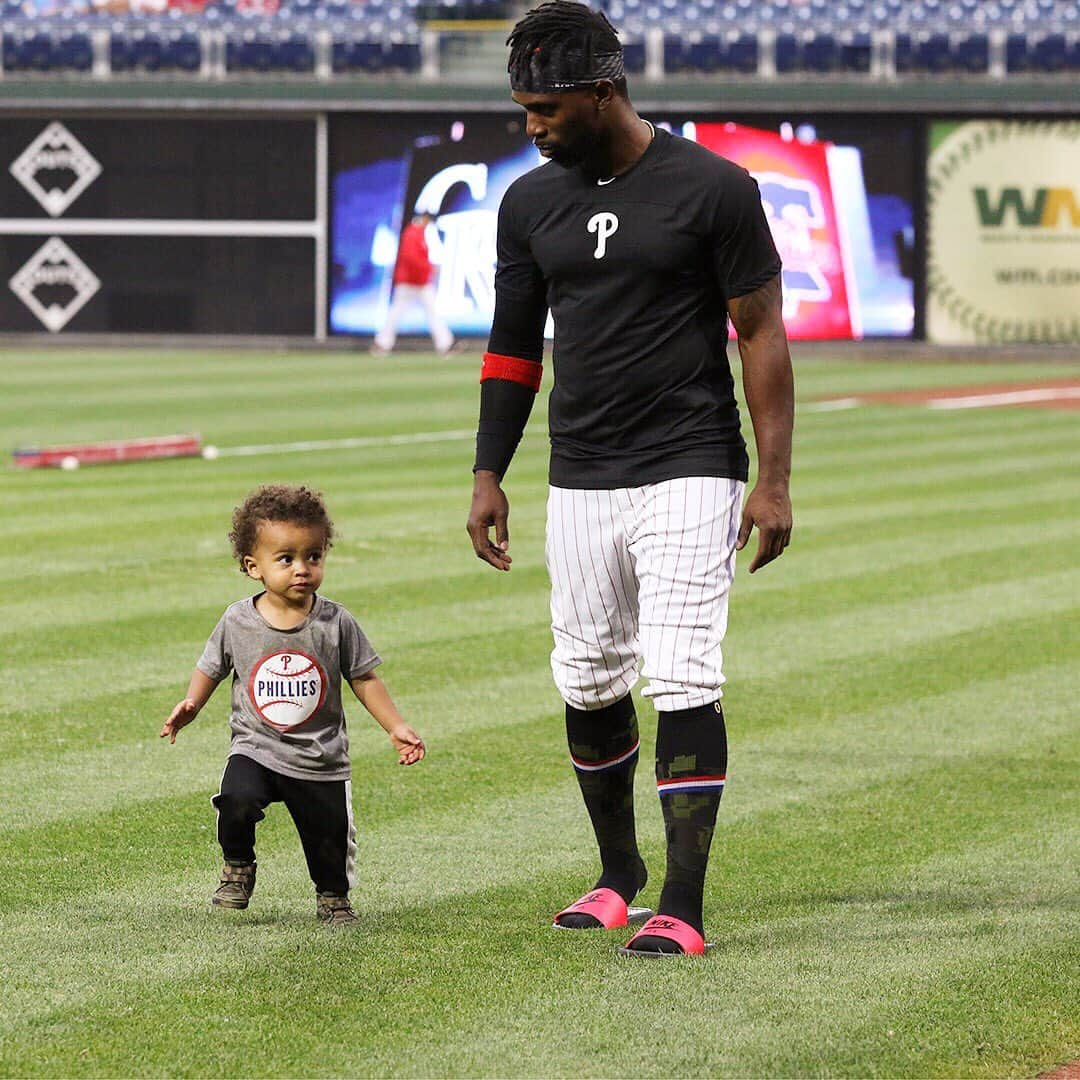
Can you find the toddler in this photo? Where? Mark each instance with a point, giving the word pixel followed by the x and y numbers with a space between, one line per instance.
pixel 288 648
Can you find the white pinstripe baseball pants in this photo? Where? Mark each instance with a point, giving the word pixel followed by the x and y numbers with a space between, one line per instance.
pixel 638 574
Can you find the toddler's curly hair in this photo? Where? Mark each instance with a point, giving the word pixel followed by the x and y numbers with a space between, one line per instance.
pixel 276 502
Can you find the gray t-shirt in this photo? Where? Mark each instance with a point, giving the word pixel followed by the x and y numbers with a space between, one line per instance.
pixel 286 691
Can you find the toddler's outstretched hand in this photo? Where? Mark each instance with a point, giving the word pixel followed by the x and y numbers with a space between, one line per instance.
pixel 183 713
pixel 408 744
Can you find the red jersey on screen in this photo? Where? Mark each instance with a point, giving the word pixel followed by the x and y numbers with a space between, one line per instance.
pixel 413 265
pixel 797 194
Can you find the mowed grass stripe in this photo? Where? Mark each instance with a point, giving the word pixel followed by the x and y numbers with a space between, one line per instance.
pixel 954 442
pixel 893 827
pixel 933 559
pixel 852 685
pixel 981 508
pixel 891 535
pixel 929 478
pixel 845 634
pixel 944 742
pixel 865 627
pixel 861 968
pixel 770 769
pixel 108 725
pixel 64 785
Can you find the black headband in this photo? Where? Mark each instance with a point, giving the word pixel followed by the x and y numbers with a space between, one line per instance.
pixel 564 71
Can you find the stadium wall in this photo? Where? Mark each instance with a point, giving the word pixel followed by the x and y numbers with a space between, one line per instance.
pixel 956 220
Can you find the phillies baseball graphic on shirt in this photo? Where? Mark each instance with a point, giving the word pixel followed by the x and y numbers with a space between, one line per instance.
pixel 287 689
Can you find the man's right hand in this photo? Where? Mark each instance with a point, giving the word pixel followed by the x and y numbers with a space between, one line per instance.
pixel 490 507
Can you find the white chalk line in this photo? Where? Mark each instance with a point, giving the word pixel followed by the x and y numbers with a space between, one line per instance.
pixel 358 443
pixel 975 401
pixel 831 406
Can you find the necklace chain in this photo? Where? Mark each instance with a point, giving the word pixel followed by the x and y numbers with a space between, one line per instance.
pixel 652 135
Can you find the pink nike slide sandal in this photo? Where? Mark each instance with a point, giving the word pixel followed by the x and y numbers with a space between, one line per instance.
pixel 607 907
pixel 671 929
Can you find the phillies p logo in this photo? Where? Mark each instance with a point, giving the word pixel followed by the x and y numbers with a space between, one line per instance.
pixel 604 224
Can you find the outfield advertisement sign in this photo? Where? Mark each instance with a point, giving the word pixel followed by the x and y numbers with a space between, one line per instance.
pixel 1003 232
pixel 838 194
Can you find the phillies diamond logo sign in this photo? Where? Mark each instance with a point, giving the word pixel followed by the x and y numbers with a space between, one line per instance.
pixel 56 169
pixel 55 284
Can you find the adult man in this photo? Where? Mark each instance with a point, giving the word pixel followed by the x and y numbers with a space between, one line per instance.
pixel 641 243
pixel 412 283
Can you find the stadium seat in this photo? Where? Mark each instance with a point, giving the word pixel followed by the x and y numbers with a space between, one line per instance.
pixel 296 53
pixel 73 50
pixel 676 53
pixel 28 49
pixel 971 52
pixel 147 49
pixel 903 53
pixel 1048 53
pixel 706 53
pixel 821 53
pixel 1072 58
pixel 354 56
pixel 46 46
pixel 1016 53
pixel 183 50
pixel 856 51
pixel 374 56
pixel 741 52
pixel 634 56
pixel 935 37
pixel 787 53
pixel 403 55
pixel 933 52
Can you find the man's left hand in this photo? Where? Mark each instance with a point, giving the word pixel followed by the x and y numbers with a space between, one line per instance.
pixel 769 508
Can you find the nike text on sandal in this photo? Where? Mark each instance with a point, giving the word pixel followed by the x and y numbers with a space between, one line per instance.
pixel 607 907
pixel 680 933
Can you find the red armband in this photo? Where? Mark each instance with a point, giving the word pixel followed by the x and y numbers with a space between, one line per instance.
pixel 513 369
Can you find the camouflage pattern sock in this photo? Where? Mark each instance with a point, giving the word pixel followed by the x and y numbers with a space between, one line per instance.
pixel 604 749
pixel 691 763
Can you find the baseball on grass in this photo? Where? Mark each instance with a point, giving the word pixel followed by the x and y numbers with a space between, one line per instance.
pixel 209 452
pixel 70 462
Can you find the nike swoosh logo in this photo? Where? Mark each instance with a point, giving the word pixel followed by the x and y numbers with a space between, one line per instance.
pixel 601 183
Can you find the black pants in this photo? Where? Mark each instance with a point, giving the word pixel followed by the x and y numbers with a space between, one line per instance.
pixel 320 809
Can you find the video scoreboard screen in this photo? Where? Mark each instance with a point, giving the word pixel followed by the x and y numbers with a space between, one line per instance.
pixel 839 195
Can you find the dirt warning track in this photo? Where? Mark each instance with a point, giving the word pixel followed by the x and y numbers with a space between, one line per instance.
pixel 1051 394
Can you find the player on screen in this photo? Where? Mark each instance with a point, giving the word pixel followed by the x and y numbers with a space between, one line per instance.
pixel 288 649
pixel 642 244
pixel 413 273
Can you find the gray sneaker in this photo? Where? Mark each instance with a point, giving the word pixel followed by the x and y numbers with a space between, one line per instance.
pixel 236 885
pixel 334 910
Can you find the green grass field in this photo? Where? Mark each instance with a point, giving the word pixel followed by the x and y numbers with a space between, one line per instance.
pixel 894 888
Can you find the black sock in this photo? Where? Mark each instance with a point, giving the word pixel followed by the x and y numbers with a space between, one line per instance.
pixel 691 762
pixel 604 748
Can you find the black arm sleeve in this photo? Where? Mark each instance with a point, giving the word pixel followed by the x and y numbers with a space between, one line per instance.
pixel 517 331
pixel 504 412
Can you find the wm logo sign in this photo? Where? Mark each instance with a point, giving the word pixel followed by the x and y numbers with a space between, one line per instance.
pixel 1040 208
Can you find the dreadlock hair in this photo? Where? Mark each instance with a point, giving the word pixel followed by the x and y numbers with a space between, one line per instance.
pixel 564 43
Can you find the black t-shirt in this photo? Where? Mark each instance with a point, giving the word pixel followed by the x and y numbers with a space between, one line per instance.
pixel 637 272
